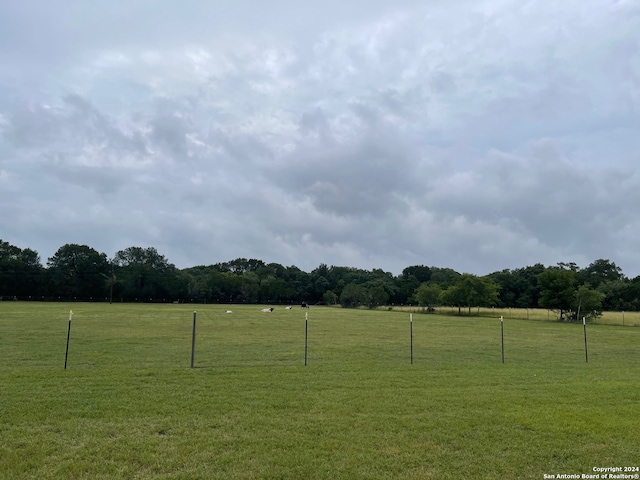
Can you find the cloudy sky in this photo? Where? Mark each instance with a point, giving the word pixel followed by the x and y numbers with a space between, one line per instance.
pixel 475 135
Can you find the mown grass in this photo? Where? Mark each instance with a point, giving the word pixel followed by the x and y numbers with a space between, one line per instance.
pixel 129 406
pixel 630 319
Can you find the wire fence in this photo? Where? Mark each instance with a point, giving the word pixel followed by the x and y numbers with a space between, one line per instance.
pixel 534 314
pixel 34 334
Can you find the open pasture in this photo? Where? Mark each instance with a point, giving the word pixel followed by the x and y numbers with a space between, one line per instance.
pixel 629 319
pixel 129 405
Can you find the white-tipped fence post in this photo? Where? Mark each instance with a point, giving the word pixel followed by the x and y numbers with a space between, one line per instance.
pixel 502 336
pixel 306 337
pixel 411 337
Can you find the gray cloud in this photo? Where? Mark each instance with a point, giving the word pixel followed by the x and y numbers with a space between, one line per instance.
pixel 478 136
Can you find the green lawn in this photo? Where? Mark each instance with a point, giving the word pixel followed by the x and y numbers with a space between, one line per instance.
pixel 129 405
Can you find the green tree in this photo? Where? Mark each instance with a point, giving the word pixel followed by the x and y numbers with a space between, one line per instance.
pixel 376 295
pixel 600 272
pixel 78 271
pixel 274 290
pixel 420 272
pixel 144 274
pixel 249 287
pixel 445 277
pixel 329 298
pixel 471 291
pixel 557 289
pixel 353 295
pixel 428 295
pixel 223 286
pixel 299 283
pixel 242 265
pixel 518 288
pixel 21 273
pixel 621 295
pixel 588 303
pixel 320 286
pixel 405 288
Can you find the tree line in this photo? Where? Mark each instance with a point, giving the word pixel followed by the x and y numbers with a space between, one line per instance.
pixel 79 272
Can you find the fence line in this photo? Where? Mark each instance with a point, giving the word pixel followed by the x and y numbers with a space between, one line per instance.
pixel 536 314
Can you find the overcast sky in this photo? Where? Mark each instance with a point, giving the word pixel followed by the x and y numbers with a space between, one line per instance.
pixel 475 135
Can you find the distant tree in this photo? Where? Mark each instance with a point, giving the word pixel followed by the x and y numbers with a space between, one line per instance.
pixel 518 288
pixel 557 289
pixel 110 281
pixel 445 277
pixel 311 286
pixel 507 283
pixel 78 271
pixel 600 272
pixel 420 272
pixel 321 270
pixel 195 283
pixel 21 273
pixel 621 295
pixel 320 286
pixel 249 287
pixel 274 290
pixel 405 288
pixel 224 286
pixel 569 266
pixel 587 303
pixel 353 295
pixel 329 298
pixel 381 287
pixel 299 283
pixel 143 273
pixel 471 291
pixel 376 295
pixel 242 265
pixel 528 287
pixel 428 295
pixel 142 256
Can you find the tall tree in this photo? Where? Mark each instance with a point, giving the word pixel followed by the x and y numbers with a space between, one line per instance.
pixel 420 272
pixel 353 295
pixel 445 277
pixel 405 288
pixel 78 271
pixel 471 291
pixel 249 287
pixel 376 294
pixel 21 273
pixel 518 288
pixel 557 289
pixel 428 295
pixel 587 303
pixel 600 272
pixel 145 274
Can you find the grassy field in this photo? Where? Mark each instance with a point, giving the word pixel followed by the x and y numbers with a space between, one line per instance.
pixel 129 405
pixel 629 319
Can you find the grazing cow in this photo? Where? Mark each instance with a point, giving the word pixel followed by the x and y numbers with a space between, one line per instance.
pixel 267 310
pixel 229 311
pixel 304 305
pixel 288 308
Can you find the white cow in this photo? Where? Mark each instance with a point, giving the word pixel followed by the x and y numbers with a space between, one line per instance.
pixel 267 310
pixel 229 311
pixel 288 308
